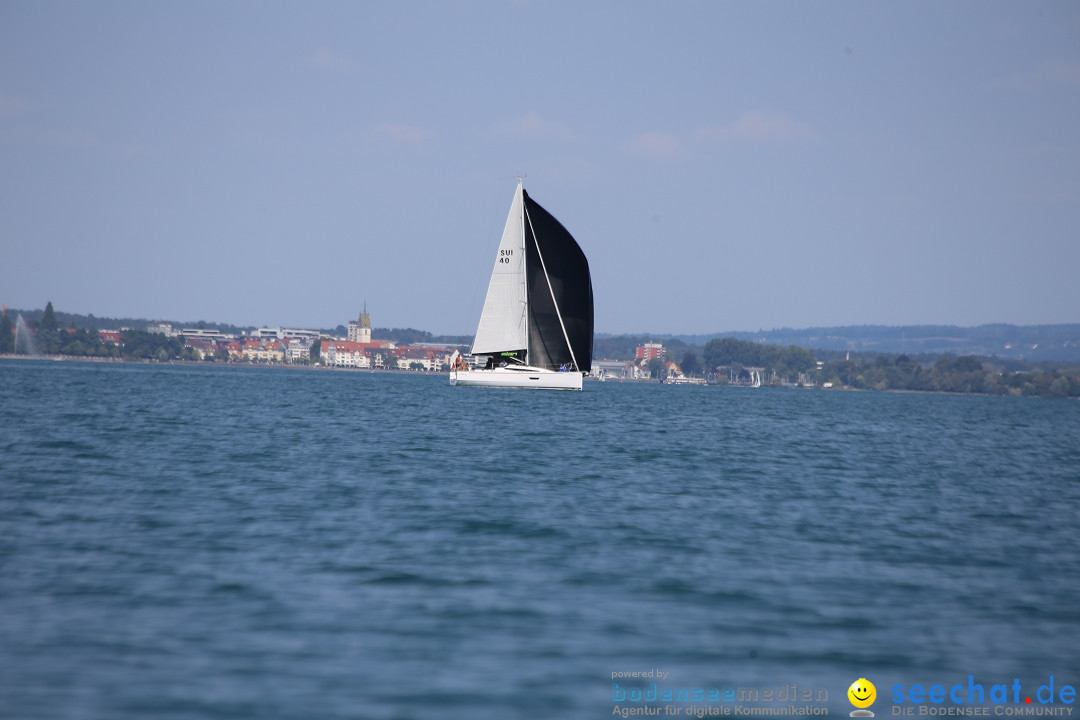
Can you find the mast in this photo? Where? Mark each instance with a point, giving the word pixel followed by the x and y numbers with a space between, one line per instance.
pixel 524 264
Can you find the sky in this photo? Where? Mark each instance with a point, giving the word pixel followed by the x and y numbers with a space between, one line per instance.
pixel 724 165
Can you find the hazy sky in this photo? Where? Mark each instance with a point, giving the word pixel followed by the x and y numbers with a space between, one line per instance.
pixel 725 166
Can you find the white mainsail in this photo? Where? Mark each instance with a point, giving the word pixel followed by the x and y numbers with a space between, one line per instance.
pixel 502 322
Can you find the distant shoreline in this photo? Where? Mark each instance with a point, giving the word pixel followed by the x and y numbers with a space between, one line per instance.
pixel 203 363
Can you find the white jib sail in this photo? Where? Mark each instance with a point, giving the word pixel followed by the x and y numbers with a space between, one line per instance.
pixel 502 323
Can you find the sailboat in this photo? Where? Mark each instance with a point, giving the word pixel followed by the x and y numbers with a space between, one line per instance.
pixel 536 328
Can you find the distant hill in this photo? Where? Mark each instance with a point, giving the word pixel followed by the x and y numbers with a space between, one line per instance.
pixel 1021 342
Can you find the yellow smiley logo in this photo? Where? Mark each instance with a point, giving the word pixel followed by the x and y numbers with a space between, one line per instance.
pixel 862 693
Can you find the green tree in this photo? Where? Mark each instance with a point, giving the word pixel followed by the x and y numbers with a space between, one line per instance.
pixel 401 336
pixel 79 342
pixel 967 363
pixel 7 334
pixel 721 351
pixel 786 362
pixel 1060 387
pixel 139 344
pixel 798 359
pixel 48 321
pixel 690 364
pixel 47 334
pixel 844 370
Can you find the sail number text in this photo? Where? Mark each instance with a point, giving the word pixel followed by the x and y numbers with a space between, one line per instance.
pixel 504 255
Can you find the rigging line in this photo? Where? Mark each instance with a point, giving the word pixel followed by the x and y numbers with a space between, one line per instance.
pixel 524 268
pixel 543 266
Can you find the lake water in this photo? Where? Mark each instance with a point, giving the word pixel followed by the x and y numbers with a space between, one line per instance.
pixel 238 542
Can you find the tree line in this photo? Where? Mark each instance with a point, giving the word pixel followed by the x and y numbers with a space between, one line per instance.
pixel 949 373
pixel 49 338
pixel 941 373
pixel 788 362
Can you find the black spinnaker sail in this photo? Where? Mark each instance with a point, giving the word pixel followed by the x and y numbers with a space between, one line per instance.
pixel 558 275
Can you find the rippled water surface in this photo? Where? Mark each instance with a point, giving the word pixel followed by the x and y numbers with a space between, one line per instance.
pixel 215 542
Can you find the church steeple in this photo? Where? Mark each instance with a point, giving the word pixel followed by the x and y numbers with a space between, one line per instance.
pixel 360 329
pixel 365 319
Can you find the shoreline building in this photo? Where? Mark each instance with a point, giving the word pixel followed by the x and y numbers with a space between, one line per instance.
pixel 350 353
pixel 284 333
pixel 650 351
pixel 360 330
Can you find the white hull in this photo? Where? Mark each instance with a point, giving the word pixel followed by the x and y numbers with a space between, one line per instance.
pixel 518 377
pixel 685 381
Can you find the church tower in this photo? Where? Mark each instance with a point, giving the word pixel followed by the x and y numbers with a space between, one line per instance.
pixel 360 330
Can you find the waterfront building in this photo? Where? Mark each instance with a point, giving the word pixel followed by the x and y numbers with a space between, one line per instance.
pixel 297 349
pixel 201 334
pixel 282 333
pixel 258 350
pixel 613 369
pixel 346 353
pixel 430 359
pixel 649 351
pixel 360 329
pixel 161 328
